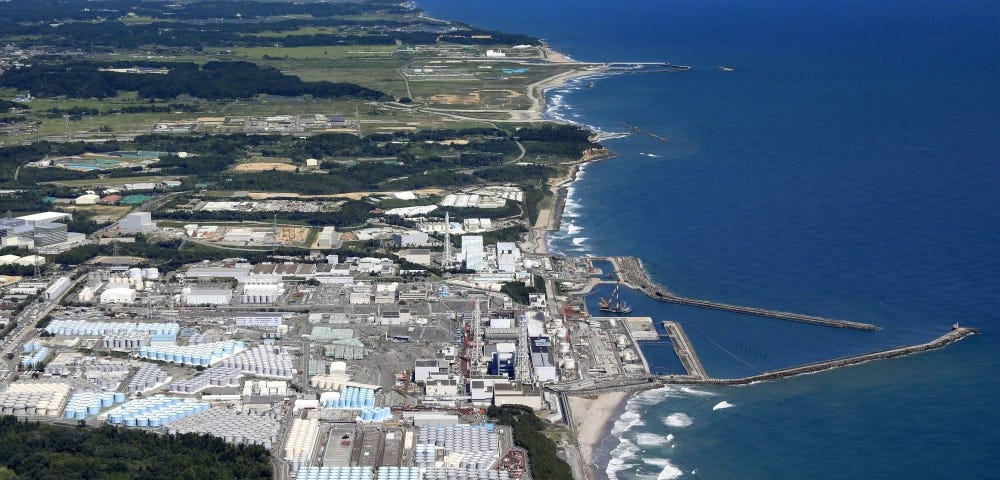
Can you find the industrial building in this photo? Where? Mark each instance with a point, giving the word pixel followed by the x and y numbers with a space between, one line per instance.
pixel 57 288
pixel 410 239
pixel 120 295
pixel 472 252
pixel 207 295
pixel 87 199
pixel 140 222
pixel 420 256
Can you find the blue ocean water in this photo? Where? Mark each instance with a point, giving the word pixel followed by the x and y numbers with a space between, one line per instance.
pixel 845 168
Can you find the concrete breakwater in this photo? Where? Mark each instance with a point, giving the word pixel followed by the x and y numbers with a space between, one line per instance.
pixel 952 336
pixel 685 351
pixel 631 272
pixel 639 383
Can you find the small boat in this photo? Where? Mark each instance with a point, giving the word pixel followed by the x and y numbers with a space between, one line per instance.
pixel 726 69
pixel 614 304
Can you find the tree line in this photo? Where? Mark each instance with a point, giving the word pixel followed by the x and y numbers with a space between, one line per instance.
pixel 30 450
pixel 212 81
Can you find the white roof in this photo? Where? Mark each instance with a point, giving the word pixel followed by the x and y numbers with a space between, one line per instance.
pixel 45 217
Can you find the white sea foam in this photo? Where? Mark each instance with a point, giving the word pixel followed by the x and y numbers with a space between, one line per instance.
pixel 624 451
pixel 651 440
pixel 580 241
pixel 721 405
pixel 626 422
pixel 572 229
pixel 656 396
pixel 697 393
pixel 670 437
pixel 670 471
pixel 678 420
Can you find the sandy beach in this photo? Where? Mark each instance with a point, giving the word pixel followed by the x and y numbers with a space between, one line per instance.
pixel 593 418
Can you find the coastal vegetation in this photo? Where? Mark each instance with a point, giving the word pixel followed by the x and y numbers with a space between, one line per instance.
pixel 29 450
pixel 529 434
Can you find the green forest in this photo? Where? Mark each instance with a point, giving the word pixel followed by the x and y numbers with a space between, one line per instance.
pixel 529 434
pixel 211 81
pixel 42 451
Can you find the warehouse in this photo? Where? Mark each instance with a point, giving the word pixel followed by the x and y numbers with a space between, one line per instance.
pixel 208 295
pixel 119 295
pixel 57 288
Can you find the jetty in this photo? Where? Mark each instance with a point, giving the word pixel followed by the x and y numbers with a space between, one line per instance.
pixel 955 334
pixel 644 132
pixel 685 351
pixel 631 272
pixel 633 383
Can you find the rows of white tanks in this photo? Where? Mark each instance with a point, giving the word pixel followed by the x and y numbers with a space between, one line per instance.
pixel 397 473
pixel 69 327
pixel 231 427
pixel 148 376
pixel 154 411
pixel 212 377
pixel 349 397
pixel 301 441
pixel 84 404
pixel 334 473
pixel 33 398
pixel 262 360
pixel 204 354
pixel 464 474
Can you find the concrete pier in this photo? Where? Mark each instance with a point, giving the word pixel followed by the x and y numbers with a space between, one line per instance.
pixel 952 336
pixel 685 351
pixel 631 272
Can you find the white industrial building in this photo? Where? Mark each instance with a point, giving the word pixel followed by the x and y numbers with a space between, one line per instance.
pixel 472 252
pixel 45 217
pixel 57 288
pixel 120 295
pixel 545 370
pixel 386 292
pixel 420 256
pixel 430 369
pixel 514 394
pixel 87 199
pixel 137 222
pixel 508 257
pixel 207 295
pixel 258 291
pixel 410 239
pixel 361 294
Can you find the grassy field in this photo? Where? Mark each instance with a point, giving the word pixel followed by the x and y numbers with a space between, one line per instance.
pixel 316 53
pixel 486 87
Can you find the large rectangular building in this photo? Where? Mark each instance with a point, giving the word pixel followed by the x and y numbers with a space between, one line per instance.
pixel 137 222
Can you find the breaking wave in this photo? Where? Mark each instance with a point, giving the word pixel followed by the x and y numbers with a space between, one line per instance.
pixel 678 420
pixel 721 405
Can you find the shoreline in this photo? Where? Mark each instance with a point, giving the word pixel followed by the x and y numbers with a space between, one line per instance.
pixel 593 429
pixel 602 411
